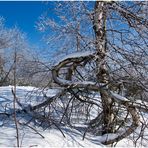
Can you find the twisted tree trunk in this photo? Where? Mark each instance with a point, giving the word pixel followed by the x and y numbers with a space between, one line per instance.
pixel 105 92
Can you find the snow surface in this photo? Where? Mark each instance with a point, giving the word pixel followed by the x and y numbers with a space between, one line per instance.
pixel 52 137
pixel 25 95
pixel 28 137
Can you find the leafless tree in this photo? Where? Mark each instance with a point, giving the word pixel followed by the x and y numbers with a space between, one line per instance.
pixel 10 39
pixel 116 70
pixel 105 73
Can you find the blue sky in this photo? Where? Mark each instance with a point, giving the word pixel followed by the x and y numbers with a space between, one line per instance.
pixel 23 14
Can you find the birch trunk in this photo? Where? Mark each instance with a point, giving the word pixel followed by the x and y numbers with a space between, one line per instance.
pixel 99 25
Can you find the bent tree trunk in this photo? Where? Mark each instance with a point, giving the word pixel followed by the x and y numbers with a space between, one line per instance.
pixel 91 86
pixel 107 96
pixel 99 25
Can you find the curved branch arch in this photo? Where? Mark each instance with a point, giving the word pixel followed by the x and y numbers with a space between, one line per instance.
pixel 93 86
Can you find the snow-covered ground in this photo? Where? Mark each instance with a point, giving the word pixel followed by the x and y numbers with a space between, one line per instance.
pixel 34 136
pixel 52 138
pixel 28 136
